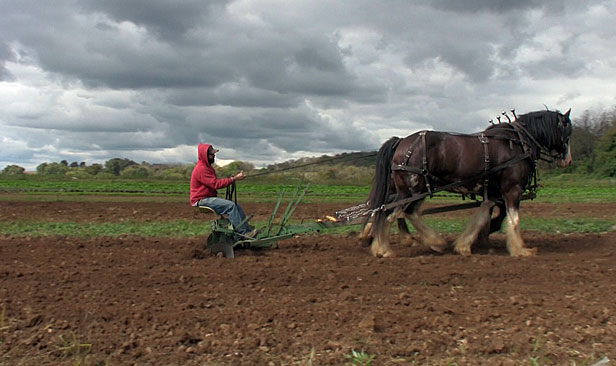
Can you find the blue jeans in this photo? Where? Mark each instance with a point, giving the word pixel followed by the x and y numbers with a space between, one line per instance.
pixel 225 207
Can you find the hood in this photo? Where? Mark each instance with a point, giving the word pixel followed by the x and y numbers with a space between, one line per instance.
pixel 202 153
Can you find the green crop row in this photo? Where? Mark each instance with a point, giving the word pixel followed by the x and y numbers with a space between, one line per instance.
pixel 553 189
pixel 252 192
pixel 191 228
pixel 68 186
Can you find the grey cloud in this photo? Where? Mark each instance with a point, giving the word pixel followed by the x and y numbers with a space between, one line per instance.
pixel 70 46
pixel 265 80
pixel 126 141
pixel 496 6
pixel 95 122
pixel 167 19
pixel 103 56
pixel 281 128
pixel 5 55
pixel 307 64
pixel 233 95
pixel 9 155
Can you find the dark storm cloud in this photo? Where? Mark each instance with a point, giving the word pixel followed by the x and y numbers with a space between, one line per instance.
pixel 290 62
pixel 80 43
pixel 183 46
pixel 281 128
pixel 266 80
pixel 5 55
pixel 233 95
pixel 165 19
pixel 496 6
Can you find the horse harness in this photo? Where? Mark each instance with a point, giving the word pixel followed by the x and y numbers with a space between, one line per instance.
pixel 428 177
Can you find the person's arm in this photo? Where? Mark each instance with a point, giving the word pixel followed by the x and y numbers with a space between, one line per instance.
pixel 239 176
pixel 210 180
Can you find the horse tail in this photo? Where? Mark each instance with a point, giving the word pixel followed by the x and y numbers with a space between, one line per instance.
pixel 380 191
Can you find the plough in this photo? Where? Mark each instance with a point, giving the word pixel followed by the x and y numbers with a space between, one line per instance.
pixel 223 239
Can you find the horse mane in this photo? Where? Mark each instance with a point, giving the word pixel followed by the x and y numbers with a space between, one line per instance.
pixel 545 126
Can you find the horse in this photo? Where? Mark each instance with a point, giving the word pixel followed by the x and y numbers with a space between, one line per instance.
pixel 498 163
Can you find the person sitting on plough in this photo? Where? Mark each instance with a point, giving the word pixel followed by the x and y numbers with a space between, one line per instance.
pixel 204 184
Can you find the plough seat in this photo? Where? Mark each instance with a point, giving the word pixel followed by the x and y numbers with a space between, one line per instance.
pixel 205 210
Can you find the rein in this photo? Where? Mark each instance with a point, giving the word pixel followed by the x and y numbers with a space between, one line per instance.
pixel 521 129
pixel 449 186
pixel 543 150
pixel 528 153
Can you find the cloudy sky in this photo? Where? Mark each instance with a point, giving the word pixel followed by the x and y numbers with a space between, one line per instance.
pixel 267 81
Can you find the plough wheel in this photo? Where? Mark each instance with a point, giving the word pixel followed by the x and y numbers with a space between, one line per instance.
pixel 220 246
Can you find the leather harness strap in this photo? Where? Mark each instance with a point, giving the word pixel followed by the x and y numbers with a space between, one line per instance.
pixel 424 161
pixel 487 170
pixel 486 164
pixel 449 186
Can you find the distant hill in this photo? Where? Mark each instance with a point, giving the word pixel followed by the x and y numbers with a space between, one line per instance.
pixel 357 159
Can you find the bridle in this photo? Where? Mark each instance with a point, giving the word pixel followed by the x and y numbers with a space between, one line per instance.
pixel 545 153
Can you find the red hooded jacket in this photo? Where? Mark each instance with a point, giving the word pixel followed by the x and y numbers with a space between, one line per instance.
pixel 203 181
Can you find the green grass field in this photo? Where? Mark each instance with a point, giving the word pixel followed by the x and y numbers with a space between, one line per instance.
pixel 191 228
pixel 554 190
pixel 562 188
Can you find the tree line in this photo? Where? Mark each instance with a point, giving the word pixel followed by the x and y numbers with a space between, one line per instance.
pixel 593 144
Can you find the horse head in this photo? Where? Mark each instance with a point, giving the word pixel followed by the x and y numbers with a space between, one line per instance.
pixel 563 142
pixel 551 133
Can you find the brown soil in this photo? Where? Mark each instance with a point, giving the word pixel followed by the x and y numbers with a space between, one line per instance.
pixel 141 301
pixel 162 211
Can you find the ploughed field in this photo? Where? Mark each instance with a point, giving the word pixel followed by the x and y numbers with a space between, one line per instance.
pixel 159 301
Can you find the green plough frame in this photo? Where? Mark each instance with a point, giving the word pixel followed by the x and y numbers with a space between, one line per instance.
pixel 223 239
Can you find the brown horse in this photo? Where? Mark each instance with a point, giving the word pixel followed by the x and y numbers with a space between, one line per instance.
pixel 498 163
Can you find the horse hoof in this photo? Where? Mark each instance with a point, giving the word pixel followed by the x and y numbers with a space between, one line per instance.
pixel 526 252
pixel 408 242
pixel 376 252
pixel 465 251
pixel 389 255
pixel 438 248
pixel 383 254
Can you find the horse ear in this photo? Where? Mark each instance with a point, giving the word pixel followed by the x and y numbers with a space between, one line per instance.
pixel 567 113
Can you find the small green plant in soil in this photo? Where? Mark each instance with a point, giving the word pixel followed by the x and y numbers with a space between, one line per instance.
pixel 72 347
pixel 360 358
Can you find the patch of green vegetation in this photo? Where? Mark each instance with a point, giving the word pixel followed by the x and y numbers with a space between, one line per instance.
pixel 89 197
pixel 72 348
pixel 43 184
pixel 556 188
pixel 131 187
pixel 360 358
pixel 566 226
pixel 577 194
pixel 3 324
pixel 192 228
pixel 179 228
pixel 576 188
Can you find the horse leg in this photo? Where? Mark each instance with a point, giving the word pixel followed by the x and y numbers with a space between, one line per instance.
pixel 380 244
pixel 498 214
pixel 405 234
pixel 515 243
pixel 366 236
pixel 464 242
pixel 428 236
